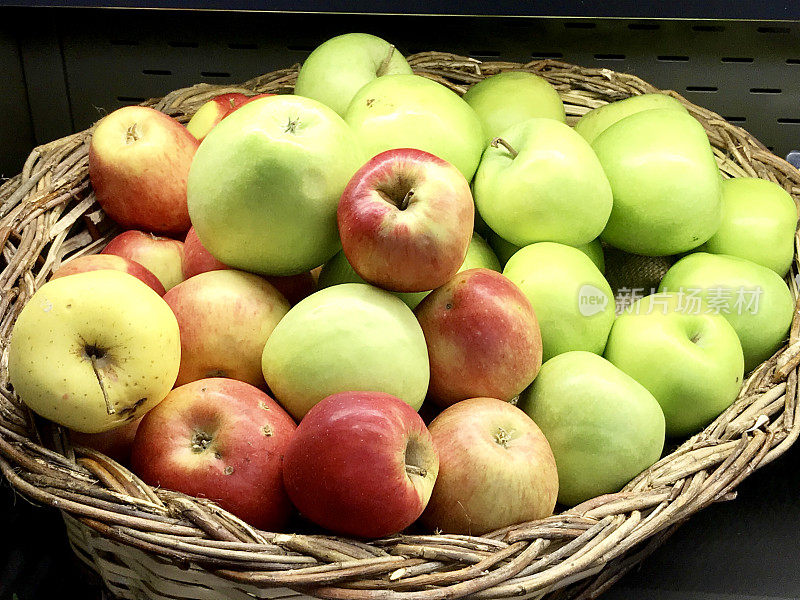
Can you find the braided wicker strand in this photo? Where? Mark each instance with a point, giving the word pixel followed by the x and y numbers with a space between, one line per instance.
pixel 168 544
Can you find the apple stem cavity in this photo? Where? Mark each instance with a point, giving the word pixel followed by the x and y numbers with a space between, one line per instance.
pixel 406 200
pixel 384 66
pixel 132 134
pixel 93 358
pixel 200 441
pixel 415 470
pixel 501 142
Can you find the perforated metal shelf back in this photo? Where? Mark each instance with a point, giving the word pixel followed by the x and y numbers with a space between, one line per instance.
pixel 747 71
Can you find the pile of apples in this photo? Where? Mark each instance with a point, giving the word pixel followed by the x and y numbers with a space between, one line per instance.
pixel 333 258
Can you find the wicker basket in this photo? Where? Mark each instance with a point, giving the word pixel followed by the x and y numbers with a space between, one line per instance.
pixel 151 543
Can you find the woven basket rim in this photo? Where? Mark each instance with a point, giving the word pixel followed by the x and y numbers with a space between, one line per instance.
pixel 48 212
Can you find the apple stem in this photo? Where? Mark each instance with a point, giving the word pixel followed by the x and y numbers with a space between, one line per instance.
pixel 505 145
pixel 384 66
pixel 414 470
pixel 109 409
pixel 131 135
pixel 406 200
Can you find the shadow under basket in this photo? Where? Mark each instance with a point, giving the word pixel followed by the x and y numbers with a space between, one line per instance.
pixel 154 543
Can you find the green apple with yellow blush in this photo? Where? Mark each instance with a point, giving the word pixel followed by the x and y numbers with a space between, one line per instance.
pixel 541 182
pixel 512 97
pixel 411 111
pixel 603 426
pixel 689 358
pixel 759 219
pixel 597 120
pixel 572 300
pixel 754 299
pixel 666 184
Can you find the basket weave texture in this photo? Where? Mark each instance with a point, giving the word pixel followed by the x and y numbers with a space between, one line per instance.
pixel 156 543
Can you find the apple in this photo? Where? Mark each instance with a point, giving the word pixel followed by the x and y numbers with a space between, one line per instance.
pixel 338 68
pixel 689 359
pixel 225 318
pixel 346 337
pixel 665 180
pixel 94 350
pixel 495 469
pixel 597 120
pixel 162 256
pixel 483 338
pixel 223 440
pixel 604 427
pixel 759 219
pixel 504 250
pixel 410 111
pixel 541 182
pixel 197 259
pixel 212 112
pixel 264 186
pixel 253 99
pixel 511 97
pixel 573 303
pixel 115 443
pixel 405 220
pixel 139 160
pixel 95 262
pixel 753 298
pixel 337 270
pixel 361 464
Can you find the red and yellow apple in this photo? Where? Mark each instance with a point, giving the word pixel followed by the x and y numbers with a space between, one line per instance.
pixel 139 161
pixel 405 220
pixel 361 464
pixel 223 440
pixel 225 318
pixel 496 469
pixel 97 262
pixel 483 338
pixel 212 112
pixel 162 256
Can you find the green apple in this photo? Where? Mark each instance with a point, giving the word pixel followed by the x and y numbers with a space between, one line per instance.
pixel 349 337
pixel 572 301
pixel 753 298
pixel 410 111
pixel 759 219
pixel 337 270
pixel 263 190
pixel 338 68
pixel 512 97
pixel 690 359
pixel 542 183
pixel 504 250
pixel 597 120
pixel 604 427
pixel 666 184
pixel 94 350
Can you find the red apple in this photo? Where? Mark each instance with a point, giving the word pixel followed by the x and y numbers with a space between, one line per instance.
pixel 361 464
pixel 197 259
pixel 225 318
pixel 483 338
pixel 139 160
pixel 495 469
pixel 116 443
pixel 219 439
pixel 405 220
pixel 98 262
pixel 161 256
pixel 253 99
pixel 212 112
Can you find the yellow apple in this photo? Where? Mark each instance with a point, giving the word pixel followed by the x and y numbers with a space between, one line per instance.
pixel 94 350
